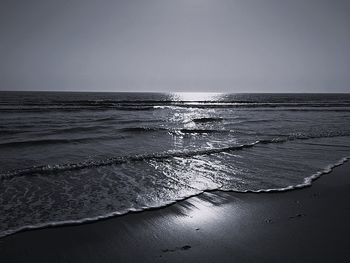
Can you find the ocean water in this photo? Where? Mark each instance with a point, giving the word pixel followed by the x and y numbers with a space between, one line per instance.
pixel 75 157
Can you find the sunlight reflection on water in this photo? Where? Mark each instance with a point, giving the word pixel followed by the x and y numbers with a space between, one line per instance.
pixel 196 96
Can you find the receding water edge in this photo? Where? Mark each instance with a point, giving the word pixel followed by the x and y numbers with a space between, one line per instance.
pixel 307 182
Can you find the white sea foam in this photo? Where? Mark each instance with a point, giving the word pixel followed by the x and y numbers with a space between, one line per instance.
pixel 307 182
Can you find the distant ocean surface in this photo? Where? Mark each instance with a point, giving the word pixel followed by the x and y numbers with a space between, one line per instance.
pixel 75 157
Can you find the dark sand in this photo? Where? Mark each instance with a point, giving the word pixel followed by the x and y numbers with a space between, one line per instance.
pixel 306 225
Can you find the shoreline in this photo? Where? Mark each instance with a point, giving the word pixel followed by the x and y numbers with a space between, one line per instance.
pixel 308 181
pixel 213 226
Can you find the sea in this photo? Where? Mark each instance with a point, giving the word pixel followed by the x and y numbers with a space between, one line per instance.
pixel 70 157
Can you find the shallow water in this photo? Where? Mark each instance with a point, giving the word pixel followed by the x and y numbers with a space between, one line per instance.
pixel 72 157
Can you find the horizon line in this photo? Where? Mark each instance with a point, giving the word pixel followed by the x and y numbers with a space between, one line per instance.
pixel 212 92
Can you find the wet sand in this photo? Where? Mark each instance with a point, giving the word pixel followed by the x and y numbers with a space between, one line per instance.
pixel 305 225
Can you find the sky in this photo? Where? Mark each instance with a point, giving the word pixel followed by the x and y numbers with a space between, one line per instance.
pixel 182 45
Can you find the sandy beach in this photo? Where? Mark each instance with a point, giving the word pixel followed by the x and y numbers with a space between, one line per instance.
pixel 305 225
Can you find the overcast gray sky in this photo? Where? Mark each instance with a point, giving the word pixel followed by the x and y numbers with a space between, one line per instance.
pixel 175 45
